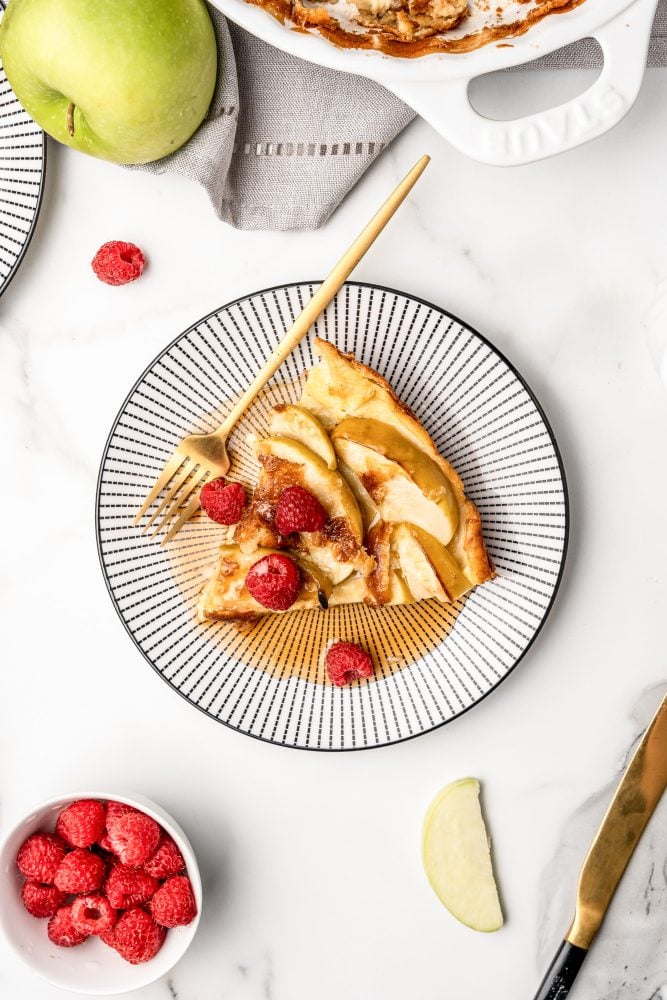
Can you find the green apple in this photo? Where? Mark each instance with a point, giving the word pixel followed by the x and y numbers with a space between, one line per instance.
pixel 456 856
pixel 124 80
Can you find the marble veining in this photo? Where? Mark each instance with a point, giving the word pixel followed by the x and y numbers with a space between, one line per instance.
pixel 628 961
pixel 312 877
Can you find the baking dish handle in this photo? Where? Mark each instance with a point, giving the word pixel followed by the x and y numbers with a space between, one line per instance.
pixel 446 105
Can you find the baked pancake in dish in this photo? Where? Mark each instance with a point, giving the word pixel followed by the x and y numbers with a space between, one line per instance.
pixel 405 20
pixel 396 524
pixel 409 28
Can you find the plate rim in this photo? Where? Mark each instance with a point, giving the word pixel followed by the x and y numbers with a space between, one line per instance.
pixel 33 224
pixel 515 372
pixel 40 197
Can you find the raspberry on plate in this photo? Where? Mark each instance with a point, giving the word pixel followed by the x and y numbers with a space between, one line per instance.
pixel 137 937
pixel 347 662
pixel 167 859
pixel 39 857
pixel 223 503
pixel 299 510
pixel 117 262
pixel 61 929
pixel 93 914
pixel 133 837
pixel 173 905
pixel 125 886
pixel 80 871
pixel 274 581
pixel 41 900
pixel 82 823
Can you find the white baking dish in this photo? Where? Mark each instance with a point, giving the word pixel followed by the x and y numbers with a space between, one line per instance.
pixel 436 85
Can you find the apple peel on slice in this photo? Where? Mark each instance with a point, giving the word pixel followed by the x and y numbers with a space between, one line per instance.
pixel 457 858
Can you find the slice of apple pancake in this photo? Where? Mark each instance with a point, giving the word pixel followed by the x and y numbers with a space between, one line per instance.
pixel 399 527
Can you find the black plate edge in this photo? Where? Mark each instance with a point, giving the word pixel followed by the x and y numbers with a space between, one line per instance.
pixel 40 197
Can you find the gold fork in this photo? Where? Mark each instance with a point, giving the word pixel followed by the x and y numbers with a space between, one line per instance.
pixel 200 456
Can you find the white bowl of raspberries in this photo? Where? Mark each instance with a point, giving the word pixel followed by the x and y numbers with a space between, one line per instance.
pixel 100 894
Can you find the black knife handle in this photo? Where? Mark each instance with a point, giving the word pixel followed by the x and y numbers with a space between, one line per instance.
pixel 562 972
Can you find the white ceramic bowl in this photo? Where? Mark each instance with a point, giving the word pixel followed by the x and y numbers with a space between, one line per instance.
pixel 92 967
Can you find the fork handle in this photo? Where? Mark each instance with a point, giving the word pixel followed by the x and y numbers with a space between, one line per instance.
pixel 324 294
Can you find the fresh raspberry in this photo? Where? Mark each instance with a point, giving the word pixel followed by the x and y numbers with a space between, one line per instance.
pixel 105 844
pixel 41 900
pixel 93 914
pixel 134 836
pixel 126 887
pixel 166 861
pixel 347 662
pixel 109 937
pixel 137 937
pixel 274 582
pixel 80 871
pixel 39 857
pixel 173 904
pixel 82 823
pixel 61 929
pixel 299 510
pixel 223 504
pixel 116 262
pixel 115 810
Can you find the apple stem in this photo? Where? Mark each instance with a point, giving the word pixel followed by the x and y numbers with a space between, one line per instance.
pixel 70 118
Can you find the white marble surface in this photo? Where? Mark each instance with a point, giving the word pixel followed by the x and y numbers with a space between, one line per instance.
pixel 311 863
pixel 629 960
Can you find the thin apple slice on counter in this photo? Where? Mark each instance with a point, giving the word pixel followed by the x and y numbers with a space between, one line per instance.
pixel 457 858
pixel 288 420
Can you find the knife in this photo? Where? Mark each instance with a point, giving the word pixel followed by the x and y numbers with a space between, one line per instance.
pixel 631 807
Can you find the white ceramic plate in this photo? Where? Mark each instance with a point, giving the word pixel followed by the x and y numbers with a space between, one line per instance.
pixel 265 681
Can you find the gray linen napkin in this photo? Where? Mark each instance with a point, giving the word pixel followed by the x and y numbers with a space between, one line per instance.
pixel 628 960
pixel 285 140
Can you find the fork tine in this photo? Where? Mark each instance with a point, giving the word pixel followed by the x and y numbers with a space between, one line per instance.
pixel 178 482
pixel 180 499
pixel 172 466
pixel 185 516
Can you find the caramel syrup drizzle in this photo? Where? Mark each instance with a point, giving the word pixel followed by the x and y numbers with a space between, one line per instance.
pixel 294 644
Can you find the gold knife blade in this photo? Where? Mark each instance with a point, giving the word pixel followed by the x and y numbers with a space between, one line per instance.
pixel 636 797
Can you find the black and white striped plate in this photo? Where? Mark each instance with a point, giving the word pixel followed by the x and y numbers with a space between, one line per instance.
pixel 483 418
pixel 22 167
